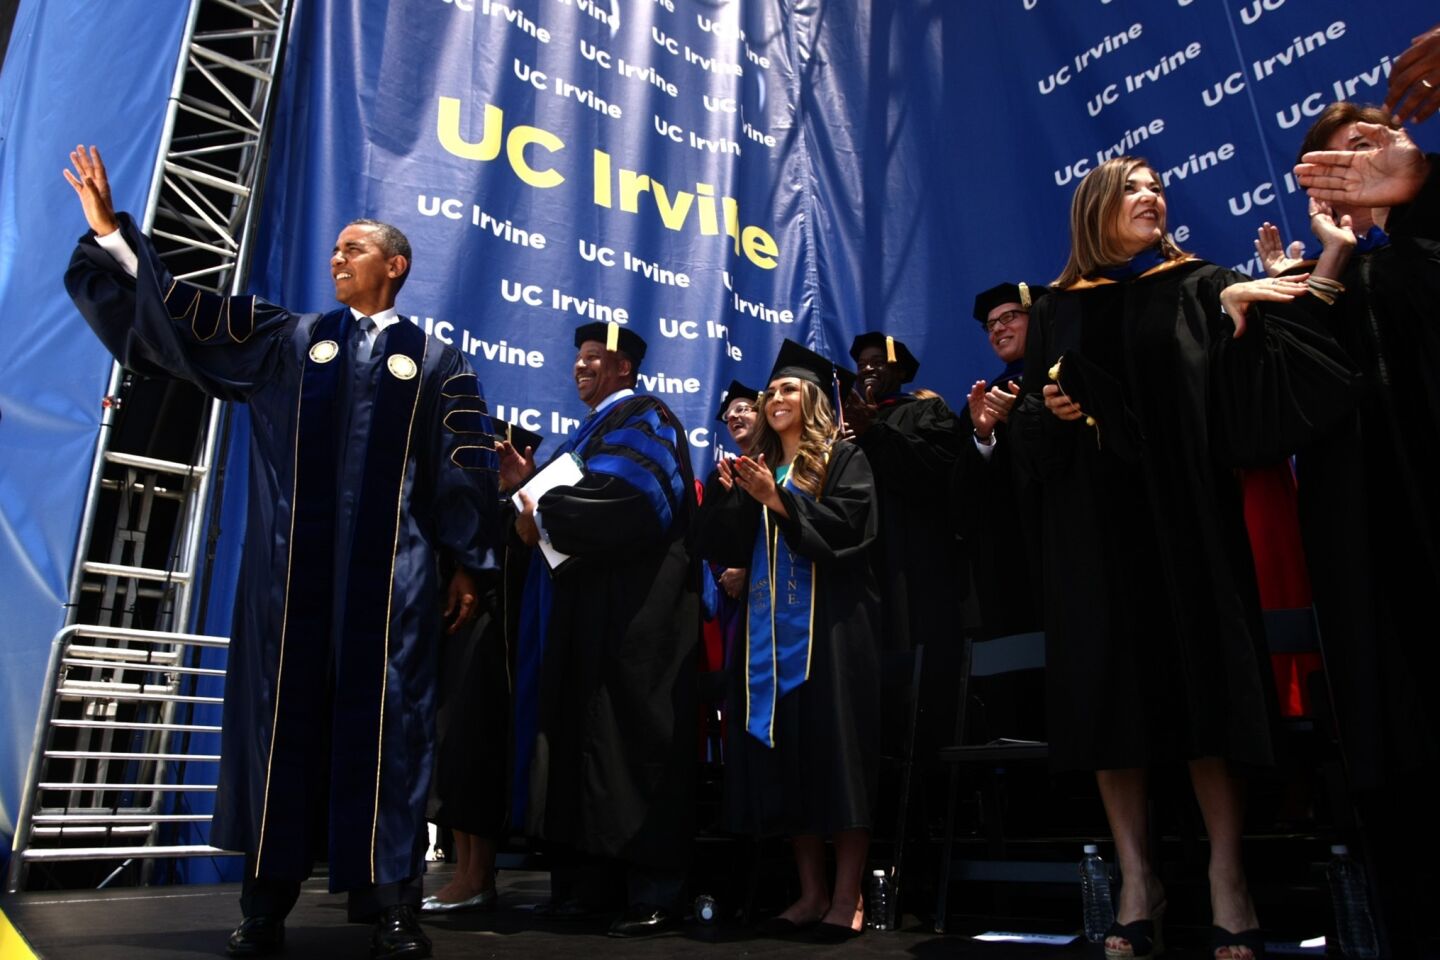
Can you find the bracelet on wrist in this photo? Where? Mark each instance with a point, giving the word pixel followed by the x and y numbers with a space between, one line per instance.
pixel 1324 289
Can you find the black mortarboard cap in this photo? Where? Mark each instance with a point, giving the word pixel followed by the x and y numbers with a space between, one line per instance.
pixel 895 352
pixel 737 391
pixel 1024 294
pixel 795 360
pixel 614 336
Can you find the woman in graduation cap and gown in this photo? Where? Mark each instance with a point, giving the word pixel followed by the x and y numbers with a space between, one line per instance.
pixel 724 593
pixel 805 696
pixel 1141 394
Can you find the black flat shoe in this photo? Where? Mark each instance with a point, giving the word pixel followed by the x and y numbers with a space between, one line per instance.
pixel 485 900
pixel 398 935
pixel 779 928
pixel 257 937
pixel 833 933
pixel 642 920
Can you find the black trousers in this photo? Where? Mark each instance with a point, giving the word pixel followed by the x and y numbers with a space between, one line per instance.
pixel 268 897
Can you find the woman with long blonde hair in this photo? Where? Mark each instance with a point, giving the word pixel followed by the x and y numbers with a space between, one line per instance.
pixel 1143 390
pixel 804 697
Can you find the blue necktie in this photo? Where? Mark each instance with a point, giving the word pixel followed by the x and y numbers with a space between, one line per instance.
pixel 365 337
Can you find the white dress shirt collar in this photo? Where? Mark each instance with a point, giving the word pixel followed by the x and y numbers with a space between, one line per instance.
pixel 382 319
pixel 615 397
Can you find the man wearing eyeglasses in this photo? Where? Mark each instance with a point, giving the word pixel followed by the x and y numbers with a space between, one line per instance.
pixel 1004 312
pixel 986 492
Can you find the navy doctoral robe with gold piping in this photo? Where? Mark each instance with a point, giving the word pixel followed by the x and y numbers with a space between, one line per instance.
pixel 614 767
pixel 360 471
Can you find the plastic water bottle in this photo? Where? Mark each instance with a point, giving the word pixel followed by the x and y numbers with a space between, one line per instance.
pixel 1095 894
pixel 877 901
pixel 1349 896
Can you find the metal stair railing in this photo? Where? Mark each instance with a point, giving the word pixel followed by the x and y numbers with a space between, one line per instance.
pixel 93 805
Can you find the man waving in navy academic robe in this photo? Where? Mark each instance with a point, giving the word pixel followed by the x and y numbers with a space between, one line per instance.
pixel 370 453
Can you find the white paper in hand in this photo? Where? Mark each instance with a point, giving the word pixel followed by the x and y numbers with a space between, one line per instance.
pixel 565 470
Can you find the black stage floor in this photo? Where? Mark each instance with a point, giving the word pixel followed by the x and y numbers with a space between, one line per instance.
pixel 183 922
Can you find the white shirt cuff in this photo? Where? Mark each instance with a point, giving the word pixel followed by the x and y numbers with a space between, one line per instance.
pixel 987 450
pixel 115 245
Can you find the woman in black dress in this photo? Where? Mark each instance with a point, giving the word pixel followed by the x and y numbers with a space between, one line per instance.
pixel 1147 380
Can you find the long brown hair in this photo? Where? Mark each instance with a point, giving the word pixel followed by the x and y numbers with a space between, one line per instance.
pixel 1093 212
pixel 817 432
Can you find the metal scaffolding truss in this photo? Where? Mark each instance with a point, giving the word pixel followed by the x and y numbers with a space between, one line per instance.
pixel 113 771
pixel 210 169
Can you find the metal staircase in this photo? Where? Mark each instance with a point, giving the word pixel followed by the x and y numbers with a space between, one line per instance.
pixel 131 696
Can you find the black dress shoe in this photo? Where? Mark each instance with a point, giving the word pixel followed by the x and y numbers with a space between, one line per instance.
pixel 643 920
pixel 257 937
pixel 833 933
pixel 398 935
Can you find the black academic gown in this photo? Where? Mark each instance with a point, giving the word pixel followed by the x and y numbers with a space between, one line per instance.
pixel 986 497
pixel 1371 525
pixel 822 773
pixel 1155 648
pixel 359 475
pixel 911 448
pixel 729 611
pixel 469 791
pixel 1368 507
pixel 613 769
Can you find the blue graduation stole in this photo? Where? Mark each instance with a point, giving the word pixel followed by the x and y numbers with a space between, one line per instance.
pixel 778 626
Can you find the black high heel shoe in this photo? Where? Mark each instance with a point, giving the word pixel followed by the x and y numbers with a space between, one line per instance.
pixel 1143 937
pixel 1252 940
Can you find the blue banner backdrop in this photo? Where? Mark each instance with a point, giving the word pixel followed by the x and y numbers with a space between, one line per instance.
pixel 692 171
pixel 1217 94
pixel 65 80
pixel 720 175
